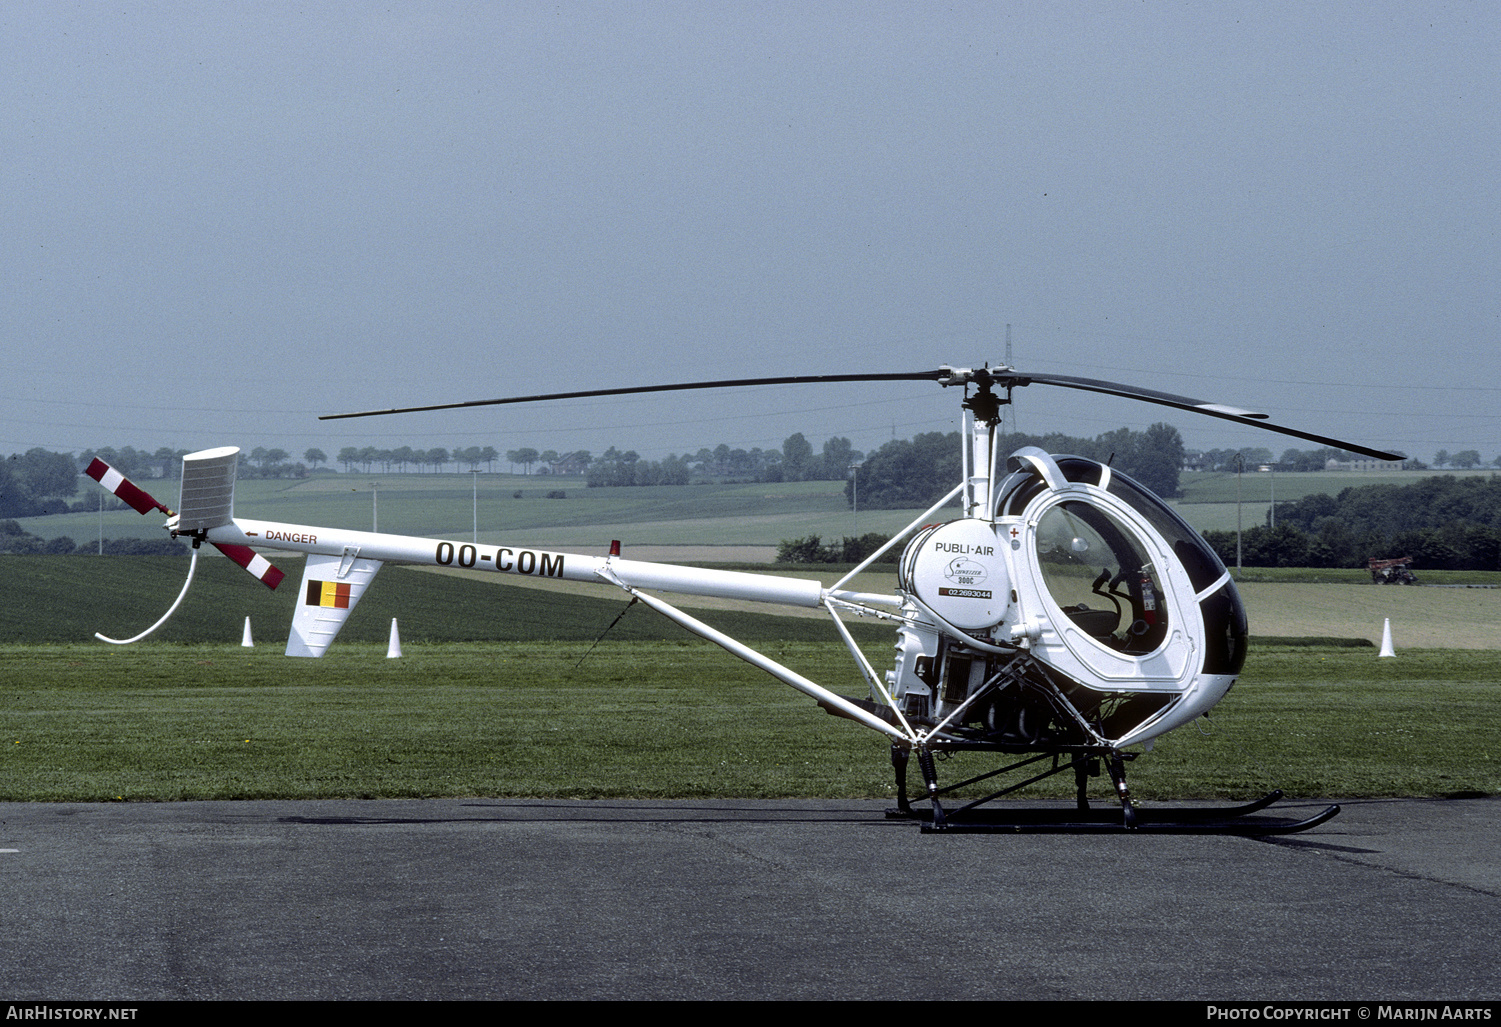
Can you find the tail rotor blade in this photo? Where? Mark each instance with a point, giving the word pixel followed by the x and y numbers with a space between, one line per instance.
pixel 123 488
pixel 259 567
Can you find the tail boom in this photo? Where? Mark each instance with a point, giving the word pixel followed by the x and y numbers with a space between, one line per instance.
pixel 519 560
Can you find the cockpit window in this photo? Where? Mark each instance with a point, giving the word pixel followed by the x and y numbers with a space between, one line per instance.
pixel 1100 575
pixel 1096 567
pixel 1204 568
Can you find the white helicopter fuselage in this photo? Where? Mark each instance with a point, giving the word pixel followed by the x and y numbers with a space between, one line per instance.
pixel 993 633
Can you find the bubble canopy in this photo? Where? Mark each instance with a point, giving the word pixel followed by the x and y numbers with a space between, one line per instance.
pixel 1133 599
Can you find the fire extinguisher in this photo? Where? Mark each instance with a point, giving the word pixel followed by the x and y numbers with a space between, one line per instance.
pixel 1148 597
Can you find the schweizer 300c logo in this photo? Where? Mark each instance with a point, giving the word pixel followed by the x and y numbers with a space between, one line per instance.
pixel 961 570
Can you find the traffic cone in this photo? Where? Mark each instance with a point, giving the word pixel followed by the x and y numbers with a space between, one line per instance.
pixel 1386 639
pixel 393 651
pixel 246 642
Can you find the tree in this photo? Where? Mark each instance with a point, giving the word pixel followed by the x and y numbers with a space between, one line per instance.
pixel 472 456
pixel 908 474
pixel 1465 459
pixel 48 475
pixel 797 453
pixel 838 454
pixel 315 457
pixel 14 501
pixel 1157 459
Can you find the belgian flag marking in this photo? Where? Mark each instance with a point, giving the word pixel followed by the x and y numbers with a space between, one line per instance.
pixel 328 593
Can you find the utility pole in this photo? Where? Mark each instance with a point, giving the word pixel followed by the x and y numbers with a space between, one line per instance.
pixel 474 476
pixel 1272 513
pixel 855 497
pixel 1240 465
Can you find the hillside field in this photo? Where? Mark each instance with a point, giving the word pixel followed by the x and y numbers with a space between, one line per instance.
pixel 1207 499
pixel 68 598
pixel 715 514
pixel 448 506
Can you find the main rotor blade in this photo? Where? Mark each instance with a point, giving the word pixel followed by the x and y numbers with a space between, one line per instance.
pixel 1012 379
pixel 1248 418
pixel 1002 376
pixel 729 383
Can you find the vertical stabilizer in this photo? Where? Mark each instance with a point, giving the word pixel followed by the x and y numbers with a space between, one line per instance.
pixel 331 586
pixel 208 489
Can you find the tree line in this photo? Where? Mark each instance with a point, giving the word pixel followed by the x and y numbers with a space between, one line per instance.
pixel 908 473
pixel 795 461
pixel 902 473
pixel 1442 522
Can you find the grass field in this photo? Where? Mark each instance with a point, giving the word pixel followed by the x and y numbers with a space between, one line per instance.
pixel 67 599
pixel 1429 618
pixel 498 693
pixel 658 719
pixel 1220 486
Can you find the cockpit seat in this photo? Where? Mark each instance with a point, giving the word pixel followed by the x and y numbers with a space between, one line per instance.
pixel 1101 624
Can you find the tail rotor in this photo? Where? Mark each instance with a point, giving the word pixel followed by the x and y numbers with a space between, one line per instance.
pixel 208 499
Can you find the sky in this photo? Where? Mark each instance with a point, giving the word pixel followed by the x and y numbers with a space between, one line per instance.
pixel 222 220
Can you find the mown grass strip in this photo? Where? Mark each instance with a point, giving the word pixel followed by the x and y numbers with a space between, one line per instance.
pixel 663 719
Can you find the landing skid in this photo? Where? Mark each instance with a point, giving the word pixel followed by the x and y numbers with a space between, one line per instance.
pixel 978 818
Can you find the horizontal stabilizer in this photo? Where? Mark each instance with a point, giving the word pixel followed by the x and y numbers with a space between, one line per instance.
pixel 208 489
pixel 331 586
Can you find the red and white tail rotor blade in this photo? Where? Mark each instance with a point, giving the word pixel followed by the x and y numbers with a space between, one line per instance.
pixel 122 488
pixel 138 499
pixel 259 567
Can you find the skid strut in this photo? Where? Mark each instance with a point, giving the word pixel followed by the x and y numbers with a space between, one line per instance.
pixel 1118 777
pixel 978 817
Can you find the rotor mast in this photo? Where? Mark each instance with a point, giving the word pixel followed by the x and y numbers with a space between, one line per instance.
pixel 982 419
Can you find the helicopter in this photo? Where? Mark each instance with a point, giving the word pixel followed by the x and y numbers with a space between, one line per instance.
pixel 1065 618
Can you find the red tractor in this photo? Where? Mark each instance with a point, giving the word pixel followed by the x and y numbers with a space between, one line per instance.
pixel 1391 572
